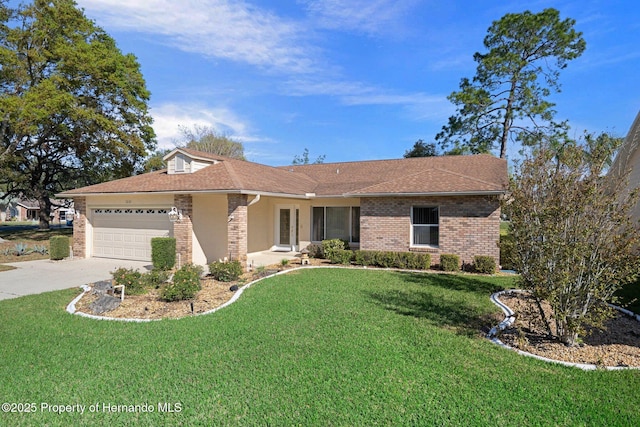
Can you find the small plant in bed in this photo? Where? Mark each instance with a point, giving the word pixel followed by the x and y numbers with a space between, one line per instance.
pixel 225 271
pixel 185 285
pixel 131 279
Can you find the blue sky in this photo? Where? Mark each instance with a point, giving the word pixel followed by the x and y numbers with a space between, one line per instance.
pixel 350 79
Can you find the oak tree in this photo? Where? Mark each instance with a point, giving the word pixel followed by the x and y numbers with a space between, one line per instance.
pixel 73 107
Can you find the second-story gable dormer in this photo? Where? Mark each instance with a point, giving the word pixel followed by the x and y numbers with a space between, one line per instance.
pixel 179 162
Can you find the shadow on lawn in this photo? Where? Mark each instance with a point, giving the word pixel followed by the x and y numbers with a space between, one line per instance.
pixel 454 282
pixel 465 318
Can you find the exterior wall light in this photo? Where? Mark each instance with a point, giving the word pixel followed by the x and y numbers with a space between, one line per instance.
pixel 175 214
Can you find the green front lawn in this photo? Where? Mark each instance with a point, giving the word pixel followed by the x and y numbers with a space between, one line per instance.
pixel 315 347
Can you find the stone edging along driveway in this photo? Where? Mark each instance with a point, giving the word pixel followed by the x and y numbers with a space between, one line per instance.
pixel 510 318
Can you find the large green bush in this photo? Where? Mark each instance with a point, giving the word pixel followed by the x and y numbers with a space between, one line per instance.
pixel 226 271
pixel 484 264
pixel 163 252
pixel 185 285
pixel 58 247
pixel 449 262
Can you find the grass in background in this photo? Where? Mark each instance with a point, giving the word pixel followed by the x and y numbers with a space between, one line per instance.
pixel 29 235
pixel 313 347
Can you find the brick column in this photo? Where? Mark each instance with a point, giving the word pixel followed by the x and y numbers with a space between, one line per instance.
pixel 237 225
pixel 80 227
pixel 183 229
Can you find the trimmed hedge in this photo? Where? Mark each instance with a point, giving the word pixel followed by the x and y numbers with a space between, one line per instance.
pixel 186 284
pixel 226 271
pixel 388 259
pixel 341 256
pixel 58 247
pixel 449 262
pixel 163 252
pixel 484 264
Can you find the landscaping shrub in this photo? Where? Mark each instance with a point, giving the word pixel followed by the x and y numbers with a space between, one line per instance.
pixel 186 283
pixel 315 250
pixel 340 256
pixel 332 245
pixel 507 252
pixel 226 271
pixel 484 264
pixel 58 247
pixel 449 262
pixel 40 249
pixel 388 259
pixel 416 261
pixel 131 279
pixel 155 278
pixel 365 258
pixel 163 252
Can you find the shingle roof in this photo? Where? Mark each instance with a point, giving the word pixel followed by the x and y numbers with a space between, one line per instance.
pixel 428 175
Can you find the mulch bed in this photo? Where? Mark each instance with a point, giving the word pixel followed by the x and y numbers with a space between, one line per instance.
pixel 212 295
pixel 618 344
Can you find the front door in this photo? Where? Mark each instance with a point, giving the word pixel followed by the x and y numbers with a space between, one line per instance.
pixel 286 232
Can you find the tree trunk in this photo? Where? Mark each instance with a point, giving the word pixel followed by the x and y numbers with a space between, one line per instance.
pixel 567 336
pixel 45 212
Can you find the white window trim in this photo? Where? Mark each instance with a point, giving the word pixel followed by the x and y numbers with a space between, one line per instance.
pixel 415 245
pixel 175 161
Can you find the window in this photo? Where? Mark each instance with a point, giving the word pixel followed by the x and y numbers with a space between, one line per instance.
pixel 179 163
pixel 425 226
pixel 342 222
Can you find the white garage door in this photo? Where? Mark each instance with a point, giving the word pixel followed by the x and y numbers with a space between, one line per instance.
pixel 127 233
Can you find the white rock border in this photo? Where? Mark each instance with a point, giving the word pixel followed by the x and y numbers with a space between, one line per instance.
pixel 71 307
pixel 509 319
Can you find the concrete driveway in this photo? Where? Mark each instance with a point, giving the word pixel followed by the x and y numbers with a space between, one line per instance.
pixel 34 277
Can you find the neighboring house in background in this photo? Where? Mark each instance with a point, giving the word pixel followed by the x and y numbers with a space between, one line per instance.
pixel 628 161
pixel 232 208
pixel 29 210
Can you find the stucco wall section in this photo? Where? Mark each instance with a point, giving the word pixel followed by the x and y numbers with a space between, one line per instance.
pixel 183 229
pixel 209 227
pixel 80 228
pixel 237 227
pixel 469 225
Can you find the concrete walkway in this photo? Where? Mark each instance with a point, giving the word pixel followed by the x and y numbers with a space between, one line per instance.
pixel 34 277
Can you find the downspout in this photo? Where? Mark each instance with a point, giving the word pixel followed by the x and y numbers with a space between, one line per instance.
pixel 254 201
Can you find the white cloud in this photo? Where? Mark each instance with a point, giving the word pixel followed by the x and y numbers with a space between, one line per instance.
pixel 227 29
pixel 169 117
pixel 370 17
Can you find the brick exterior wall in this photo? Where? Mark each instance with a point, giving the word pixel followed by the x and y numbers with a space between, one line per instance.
pixel 469 225
pixel 237 227
pixel 80 228
pixel 183 229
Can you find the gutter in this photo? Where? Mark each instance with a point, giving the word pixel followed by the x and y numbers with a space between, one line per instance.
pixel 306 196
